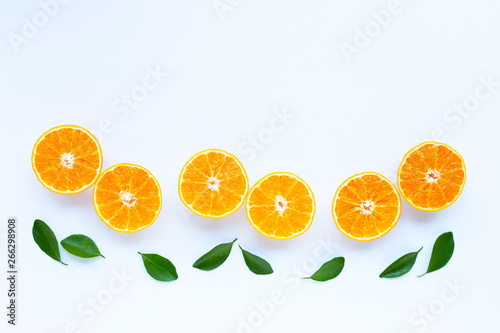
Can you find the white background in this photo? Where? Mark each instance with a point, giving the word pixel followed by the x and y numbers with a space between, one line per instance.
pixel 228 74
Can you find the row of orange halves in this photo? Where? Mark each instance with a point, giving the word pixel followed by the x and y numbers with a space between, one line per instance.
pixel 214 184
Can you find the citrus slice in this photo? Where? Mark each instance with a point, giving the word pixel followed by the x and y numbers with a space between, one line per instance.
pixel 431 176
pixel 67 159
pixel 366 206
pixel 127 197
pixel 280 206
pixel 213 183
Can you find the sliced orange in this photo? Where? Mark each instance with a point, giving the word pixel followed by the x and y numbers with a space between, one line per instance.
pixel 67 159
pixel 280 206
pixel 213 183
pixel 431 176
pixel 366 206
pixel 127 197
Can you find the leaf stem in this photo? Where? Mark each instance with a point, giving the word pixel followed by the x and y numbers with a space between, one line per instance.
pixel 417 253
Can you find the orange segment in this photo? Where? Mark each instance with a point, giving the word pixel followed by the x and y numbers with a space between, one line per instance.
pixel 127 198
pixel 280 206
pixel 213 183
pixel 431 176
pixel 67 159
pixel 366 206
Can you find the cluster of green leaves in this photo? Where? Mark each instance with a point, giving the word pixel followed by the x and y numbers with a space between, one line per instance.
pixel 78 245
pixel 218 255
pixel 162 269
pixel 442 252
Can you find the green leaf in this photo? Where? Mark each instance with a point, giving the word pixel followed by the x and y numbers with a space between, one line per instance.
pixel 81 246
pixel 215 257
pixel 256 264
pixel 441 252
pixel 329 270
pixel 46 240
pixel 401 266
pixel 160 268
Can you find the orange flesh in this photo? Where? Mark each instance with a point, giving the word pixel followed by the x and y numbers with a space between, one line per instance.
pixel 213 184
pixel 67 159
pixel 127 198
pixel 366 206
pixel 281 206
pixel 431 177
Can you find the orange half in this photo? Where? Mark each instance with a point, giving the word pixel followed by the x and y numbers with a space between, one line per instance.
pixel 366 206
pixel 67 159
pixel 127 197
pixel 213 184
pixel 431 176
pixel 280 206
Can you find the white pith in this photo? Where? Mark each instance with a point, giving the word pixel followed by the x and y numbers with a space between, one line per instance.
pixel 367 207
pixel 67 160
pixel 213 183
pixel 281 204
pixel 432 176
pixel 127 198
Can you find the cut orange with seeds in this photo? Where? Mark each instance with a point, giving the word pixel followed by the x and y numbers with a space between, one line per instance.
pixel 213 183
pixel 67 159
pixel 280 206
pixel 431 176
pixel 366 206
pixel 127 197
